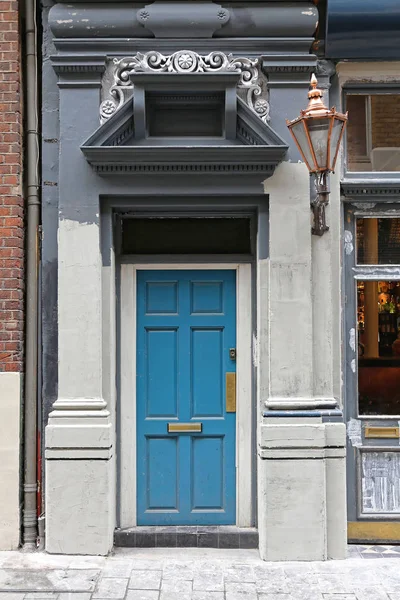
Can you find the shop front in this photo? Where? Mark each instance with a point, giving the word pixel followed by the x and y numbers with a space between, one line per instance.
pixel 371 193
pixel 196 320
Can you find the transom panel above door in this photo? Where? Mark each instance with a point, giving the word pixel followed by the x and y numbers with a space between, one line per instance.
pixel 186 337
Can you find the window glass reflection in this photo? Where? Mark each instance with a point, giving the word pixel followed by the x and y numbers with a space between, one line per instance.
pixel 373 132
pixel 378 315
pixel 378 241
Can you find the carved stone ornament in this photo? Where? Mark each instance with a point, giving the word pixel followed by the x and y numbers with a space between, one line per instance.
pixel 183 19
pixel 118 86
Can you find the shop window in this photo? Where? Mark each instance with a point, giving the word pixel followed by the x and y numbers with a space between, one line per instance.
pixel 378 241
pixel 378 315
pixel 373 132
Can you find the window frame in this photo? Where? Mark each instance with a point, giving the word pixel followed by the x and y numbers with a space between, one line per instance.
pixel 353 272
pixel 363 89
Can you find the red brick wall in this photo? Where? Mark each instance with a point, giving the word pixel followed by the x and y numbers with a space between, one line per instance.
pixel 11 200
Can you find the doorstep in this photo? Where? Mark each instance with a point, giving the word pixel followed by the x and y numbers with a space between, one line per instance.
pixel 186 537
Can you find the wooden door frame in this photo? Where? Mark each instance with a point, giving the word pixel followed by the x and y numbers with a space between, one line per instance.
pixel 244 388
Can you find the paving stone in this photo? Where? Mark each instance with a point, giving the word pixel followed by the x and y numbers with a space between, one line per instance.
pixel 336 567
pixel 35 560
pixel 391 581
pixel 73 596
pixel 240 591
pixel 111 587
pixel 173 596
pixel 330 583
pixel 243 573
pixel 48 580
pixel 145 580
pixel 391 589
pixel 176 570
pixel 279 586
pixel 176 585
pixel 240 596
pixel 267 572
pixel 371 593
pixel 208 582
pixel 339 597
pixel 210 565
pixel 244 588
pixel 208 596
pixel 142 595
pixel 362 576
pixel 275 597
pixel 42 595
pixel 298 579
pixel 117 568
pixel 141 564
pixel 302 591
pixel 87 562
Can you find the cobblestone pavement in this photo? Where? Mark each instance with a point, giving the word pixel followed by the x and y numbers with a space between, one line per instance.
pixel 199 574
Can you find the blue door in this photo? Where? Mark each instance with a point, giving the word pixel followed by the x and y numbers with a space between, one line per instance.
pixel 186 326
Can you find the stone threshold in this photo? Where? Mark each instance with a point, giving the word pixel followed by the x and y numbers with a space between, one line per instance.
pixel 187 537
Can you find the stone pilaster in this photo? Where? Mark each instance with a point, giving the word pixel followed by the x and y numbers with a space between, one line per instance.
pixel 301 439
pixel 80 490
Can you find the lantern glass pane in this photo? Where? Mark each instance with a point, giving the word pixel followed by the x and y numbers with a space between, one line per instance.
pixel 318 130
pixel 299 133
pixel 335 137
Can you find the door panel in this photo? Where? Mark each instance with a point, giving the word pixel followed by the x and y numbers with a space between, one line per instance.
pixel 186 324
pixel 208 473
pixel 162 473
pixel 161 372
pixel 206 350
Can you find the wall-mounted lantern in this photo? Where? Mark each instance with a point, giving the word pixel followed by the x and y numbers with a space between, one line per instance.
pixel 318 132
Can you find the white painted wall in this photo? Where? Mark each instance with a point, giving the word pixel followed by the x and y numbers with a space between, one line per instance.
pixel 10 400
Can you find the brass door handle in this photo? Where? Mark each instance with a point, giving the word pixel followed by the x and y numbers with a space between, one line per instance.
pixel 184 427
pixel 230 393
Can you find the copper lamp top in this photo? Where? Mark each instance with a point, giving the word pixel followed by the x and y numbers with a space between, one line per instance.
pixel 315 104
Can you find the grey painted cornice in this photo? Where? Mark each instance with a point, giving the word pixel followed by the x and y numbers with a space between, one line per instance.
pixel 196 159
pixel 84 63
pixel 79 70
pixel 289 63
pixel 251 47
pixel 197 18
pixel 288 70
pixel 371 190
pixel 177 19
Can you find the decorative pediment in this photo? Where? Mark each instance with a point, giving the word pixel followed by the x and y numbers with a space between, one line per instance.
pixel 118 81
pixel 115 148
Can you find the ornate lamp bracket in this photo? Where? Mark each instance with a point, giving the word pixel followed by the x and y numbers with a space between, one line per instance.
pixel 320 202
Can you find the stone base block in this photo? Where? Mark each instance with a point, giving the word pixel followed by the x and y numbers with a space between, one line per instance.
pixel 302 492
pixel 10 394
pixel 80 506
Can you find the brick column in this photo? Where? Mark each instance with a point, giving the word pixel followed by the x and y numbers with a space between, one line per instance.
pixel 11 272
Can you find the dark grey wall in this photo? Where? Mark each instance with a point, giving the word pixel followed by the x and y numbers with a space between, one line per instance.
pixel 279 32
pixel 50 151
